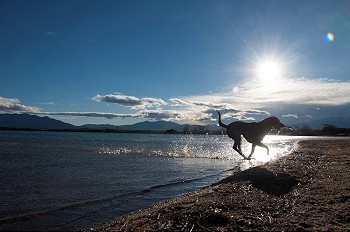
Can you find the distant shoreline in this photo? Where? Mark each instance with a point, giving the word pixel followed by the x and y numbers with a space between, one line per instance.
pixel 112 131
pixel 153 132
pixel 306 190
pixel 27 122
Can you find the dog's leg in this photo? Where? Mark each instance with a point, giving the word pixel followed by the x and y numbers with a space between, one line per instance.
pixel 260 144
pixel 237 146
pixel 251 153
pixel 240 152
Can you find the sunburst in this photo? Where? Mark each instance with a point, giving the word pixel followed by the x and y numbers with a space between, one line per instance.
pixel 268 70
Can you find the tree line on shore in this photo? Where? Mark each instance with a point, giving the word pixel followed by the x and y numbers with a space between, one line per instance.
pixel 327 130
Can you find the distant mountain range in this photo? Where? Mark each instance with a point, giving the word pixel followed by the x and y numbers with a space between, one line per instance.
pixel 151 126
pixel 27 121
pixel 144 126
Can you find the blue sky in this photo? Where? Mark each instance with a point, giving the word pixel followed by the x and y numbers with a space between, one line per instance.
pixel 120 62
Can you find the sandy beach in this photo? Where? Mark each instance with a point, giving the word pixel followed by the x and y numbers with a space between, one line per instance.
pixel 308 190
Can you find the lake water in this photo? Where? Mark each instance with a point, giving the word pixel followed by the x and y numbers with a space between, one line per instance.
pixel 71 181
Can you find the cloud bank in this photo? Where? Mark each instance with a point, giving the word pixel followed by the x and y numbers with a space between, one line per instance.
pixel 248 101
pixel 92 114
pixel 12 105
pixel 130 101
pixel 305 91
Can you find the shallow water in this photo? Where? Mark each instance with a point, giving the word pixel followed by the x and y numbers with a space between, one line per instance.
pixel 71 181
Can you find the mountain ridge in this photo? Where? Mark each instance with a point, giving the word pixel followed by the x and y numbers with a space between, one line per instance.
pixel 28 121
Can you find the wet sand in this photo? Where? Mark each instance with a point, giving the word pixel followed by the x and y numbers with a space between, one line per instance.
pixel 306 190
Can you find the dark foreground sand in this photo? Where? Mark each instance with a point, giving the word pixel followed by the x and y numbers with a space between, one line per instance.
pixel 306 190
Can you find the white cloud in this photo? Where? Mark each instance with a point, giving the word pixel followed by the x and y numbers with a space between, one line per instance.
pixel 253 97
pixel 151 114
pixel 92 114
pixel 290 116
pixel 149 102
pixel 258 95
pixel 130 101
pixel 47 103
pixel 161 114
pixel 119 99
pixel 302 90
pixel 206 111
pixel 179 102
pixel 12 105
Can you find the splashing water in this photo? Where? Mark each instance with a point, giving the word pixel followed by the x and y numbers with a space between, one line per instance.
pixel 200 146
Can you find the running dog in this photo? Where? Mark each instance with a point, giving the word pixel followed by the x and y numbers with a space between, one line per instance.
pixel 253 132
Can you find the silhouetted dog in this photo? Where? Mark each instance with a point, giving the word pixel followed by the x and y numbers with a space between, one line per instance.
pixel 253 132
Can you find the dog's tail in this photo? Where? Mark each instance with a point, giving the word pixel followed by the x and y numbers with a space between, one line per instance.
pixel 220 122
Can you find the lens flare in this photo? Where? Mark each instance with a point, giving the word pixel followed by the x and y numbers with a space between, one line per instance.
pixel 235 89
pixel 330 37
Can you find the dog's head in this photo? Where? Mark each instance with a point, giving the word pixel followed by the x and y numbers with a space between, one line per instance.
pixel 274 122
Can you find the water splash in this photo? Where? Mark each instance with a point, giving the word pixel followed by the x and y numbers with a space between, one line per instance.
pixel 201 146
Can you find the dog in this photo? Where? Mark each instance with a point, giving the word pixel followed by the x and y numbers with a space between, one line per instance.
pixel 253 132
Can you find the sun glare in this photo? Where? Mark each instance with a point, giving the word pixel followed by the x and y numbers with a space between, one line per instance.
pixel 268 70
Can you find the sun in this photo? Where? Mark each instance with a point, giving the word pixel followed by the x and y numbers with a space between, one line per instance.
pixel 268 70
pixel 270 73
